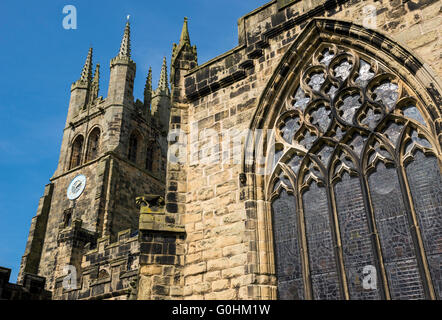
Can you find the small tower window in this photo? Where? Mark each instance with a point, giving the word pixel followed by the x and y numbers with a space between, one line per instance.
pixel 149 158
pixel 156 160
pixel 93 145
pixel 133 147
pixel 77 148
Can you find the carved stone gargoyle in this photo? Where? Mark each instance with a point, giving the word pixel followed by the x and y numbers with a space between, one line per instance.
pixel 151 203
pixel 132 291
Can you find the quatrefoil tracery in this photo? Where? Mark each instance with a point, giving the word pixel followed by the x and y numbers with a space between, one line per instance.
pixel 342 99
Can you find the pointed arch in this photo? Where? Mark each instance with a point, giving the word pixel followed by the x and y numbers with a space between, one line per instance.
pixel 93 144
pixel 76 151
pixel 341 86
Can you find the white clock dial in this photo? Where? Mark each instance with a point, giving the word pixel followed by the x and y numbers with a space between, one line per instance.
pixel 76 187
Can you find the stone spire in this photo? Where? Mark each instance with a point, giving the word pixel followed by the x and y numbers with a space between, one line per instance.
pixel 122 75
pixel 125 42
pixel 148 89
pixel 86 73
pixel 185 33
pixel 163 87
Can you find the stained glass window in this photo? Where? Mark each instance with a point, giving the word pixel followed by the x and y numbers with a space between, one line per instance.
pixel 365 188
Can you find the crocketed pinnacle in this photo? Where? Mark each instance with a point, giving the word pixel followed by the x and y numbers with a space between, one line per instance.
pixel 125 42
pixel 95 87
pixel 86 73
pixel 96 79
pixel 148 88
pixel 185 33
pixel 162 83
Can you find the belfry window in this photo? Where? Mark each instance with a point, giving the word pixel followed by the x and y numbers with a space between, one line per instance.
pixel 93 145
pixel 356 192
pixel 77 148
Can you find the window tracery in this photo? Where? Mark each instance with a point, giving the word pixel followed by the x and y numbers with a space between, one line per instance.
pixel 358 174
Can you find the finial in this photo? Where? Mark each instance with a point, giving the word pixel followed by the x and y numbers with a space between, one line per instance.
pixel 125 42
pixel 86 73
pixel 128 17
pixel 185 33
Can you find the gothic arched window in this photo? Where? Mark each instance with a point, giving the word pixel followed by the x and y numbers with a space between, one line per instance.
pixel 355 189
pixel 76 153
pixel 93 145
pixel 133 147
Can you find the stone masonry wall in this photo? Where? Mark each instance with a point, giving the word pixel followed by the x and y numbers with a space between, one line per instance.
pixel 107 271
pixel 223 94
pixel 161 253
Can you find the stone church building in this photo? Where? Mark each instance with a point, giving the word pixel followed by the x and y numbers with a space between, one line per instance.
pixel 305 163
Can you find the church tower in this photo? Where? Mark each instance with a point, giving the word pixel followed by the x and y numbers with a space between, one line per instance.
pixel 113 150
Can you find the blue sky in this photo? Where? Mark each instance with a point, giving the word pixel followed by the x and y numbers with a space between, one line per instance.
pixel 40 59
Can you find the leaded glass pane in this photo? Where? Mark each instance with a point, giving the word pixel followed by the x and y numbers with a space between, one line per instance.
pixel 316 81
pixel 413 113
pixel 324 154
pixel 387 93
pixel 327 57
pixel 357 143
pixel 426 188
pixel 343 70
pixel 290 127
pixel 394 233
pixel 307 140
pixel 301 100
pixel 416 141
pixel 321 118
pixel 287 249
pixel 356 243
pixel 349 106
pixel 393 131
pixel 294 163
pixel 323 267
pixel 371 119
pixel 365 73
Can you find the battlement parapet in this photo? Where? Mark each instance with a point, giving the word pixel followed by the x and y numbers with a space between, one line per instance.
pixel 33 287
pixel 107 271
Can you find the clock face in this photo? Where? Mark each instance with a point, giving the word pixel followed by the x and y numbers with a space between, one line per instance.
pixel 76 187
